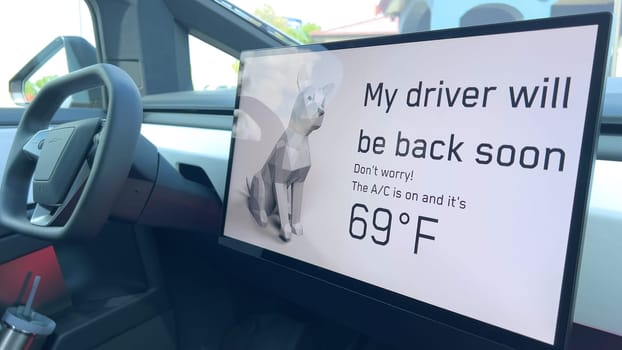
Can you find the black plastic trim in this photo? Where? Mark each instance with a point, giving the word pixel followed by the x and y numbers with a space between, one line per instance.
pixel 14 246
pixel 611 129
pixel 91 325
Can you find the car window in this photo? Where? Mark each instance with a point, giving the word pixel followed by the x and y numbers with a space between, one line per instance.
pixel 211 68
pixel 326 20
pixel 24 35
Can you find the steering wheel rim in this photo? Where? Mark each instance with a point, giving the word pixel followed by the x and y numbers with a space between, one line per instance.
pixel 110 166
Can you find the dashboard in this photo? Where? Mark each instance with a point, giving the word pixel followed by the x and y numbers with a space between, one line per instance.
pixel 201 136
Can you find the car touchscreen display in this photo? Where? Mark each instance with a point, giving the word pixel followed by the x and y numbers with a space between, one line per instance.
pixel 448 167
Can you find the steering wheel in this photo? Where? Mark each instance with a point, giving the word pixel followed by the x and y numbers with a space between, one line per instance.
pixel 78 168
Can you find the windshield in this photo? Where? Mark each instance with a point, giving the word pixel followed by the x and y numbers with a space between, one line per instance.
pixel 320 21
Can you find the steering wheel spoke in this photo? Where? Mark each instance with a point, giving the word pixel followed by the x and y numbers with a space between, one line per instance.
pixel 48 215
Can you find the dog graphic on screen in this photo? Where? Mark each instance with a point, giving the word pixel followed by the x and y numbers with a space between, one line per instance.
pixel 276 189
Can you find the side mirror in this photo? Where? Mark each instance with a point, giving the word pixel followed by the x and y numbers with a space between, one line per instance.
pixel 79 53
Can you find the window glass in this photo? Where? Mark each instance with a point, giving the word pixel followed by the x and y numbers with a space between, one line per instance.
pixel 328 20
pixel 27 26
pixel 211 68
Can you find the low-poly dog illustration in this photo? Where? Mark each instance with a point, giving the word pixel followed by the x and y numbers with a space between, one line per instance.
pixel 277 187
